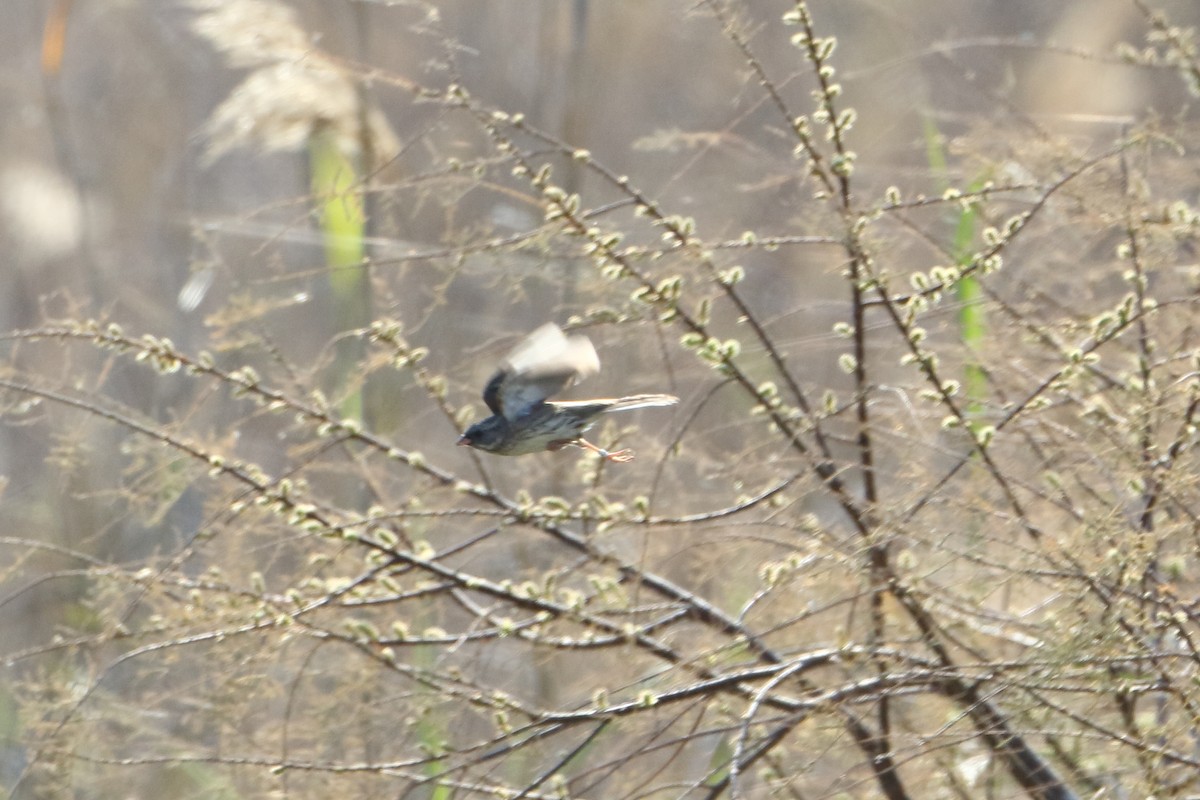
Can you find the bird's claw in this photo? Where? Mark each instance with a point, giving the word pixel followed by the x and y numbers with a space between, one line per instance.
pixel 617 457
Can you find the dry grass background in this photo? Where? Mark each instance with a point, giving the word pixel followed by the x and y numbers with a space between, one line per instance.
pixel 924 275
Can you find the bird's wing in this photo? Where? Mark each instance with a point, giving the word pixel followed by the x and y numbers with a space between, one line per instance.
pixel 542 365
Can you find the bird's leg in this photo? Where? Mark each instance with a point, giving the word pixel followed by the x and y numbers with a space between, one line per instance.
pixel 619 457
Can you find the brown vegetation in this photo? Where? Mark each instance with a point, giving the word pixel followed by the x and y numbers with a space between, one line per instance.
pixel 923 525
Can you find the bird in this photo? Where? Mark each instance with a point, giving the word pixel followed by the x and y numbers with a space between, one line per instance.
pixel 523 421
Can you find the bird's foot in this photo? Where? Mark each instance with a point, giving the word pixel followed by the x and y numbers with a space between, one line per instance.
pixel 617 457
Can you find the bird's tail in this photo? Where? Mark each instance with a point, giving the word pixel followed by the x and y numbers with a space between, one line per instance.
pixel 589 408
pixel 641 401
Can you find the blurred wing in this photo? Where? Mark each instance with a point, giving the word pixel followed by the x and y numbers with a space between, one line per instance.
pixel 542 365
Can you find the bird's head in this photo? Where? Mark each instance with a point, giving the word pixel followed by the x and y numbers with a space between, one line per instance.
pixel 487 434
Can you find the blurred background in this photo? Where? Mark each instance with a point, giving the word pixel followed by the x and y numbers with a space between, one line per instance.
pixel 190 170
pixel 109 197
pixel 159 158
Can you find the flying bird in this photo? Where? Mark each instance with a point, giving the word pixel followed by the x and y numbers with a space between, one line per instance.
pixel 524 421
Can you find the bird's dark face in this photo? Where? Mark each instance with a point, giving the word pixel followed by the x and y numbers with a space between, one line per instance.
pixel 487 434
